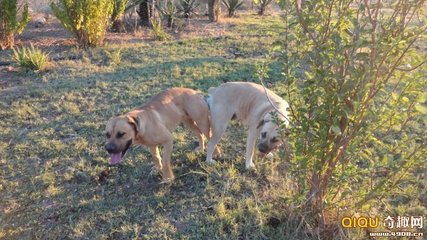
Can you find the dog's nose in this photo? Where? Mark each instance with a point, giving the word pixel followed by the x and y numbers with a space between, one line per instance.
pixel 263 148
pixel 110 147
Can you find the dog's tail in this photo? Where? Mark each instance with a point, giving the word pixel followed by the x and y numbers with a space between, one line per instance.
pixel 211 90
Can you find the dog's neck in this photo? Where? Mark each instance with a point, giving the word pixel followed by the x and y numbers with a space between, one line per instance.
pixel 135 119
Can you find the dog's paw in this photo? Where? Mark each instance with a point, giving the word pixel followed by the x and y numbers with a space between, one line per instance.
pixel 167 180
pixel 211 162
pixel 155 171
pixel 250 166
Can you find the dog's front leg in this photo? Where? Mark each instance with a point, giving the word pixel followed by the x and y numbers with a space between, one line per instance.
pixel 167 173
pixel 250 146
pixel 154 150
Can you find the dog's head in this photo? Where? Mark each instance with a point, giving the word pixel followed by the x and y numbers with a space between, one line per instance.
pixel 120 132
pixel 270 138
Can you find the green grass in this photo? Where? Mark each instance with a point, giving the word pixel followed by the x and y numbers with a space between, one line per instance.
pixel 52 144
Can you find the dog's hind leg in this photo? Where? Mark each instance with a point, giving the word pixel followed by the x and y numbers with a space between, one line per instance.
pixel 190 124
pixel 167 173
pixel 219 125
pixel 204 124
pixel 157 160
pixel 198 112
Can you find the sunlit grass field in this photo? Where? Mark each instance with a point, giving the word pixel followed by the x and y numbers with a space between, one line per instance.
pixel 51 145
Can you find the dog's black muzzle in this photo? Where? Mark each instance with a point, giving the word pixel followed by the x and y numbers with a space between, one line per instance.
pixel 262 147
pixel 111 148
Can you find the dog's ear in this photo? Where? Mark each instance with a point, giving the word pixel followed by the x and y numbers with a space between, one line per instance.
pixel 260 124
pixel 133 120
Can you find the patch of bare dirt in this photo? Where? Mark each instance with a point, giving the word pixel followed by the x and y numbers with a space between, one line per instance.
pixel 52 37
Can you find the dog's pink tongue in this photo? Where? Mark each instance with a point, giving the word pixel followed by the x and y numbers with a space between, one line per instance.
pixel 115 158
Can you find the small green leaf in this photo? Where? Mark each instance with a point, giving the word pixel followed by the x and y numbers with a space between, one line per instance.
pixel 336 129
pixel 420 108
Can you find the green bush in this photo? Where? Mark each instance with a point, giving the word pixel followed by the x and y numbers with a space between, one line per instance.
pixel 114 56
pixel 168 12
pixel 9 24
pixel 31 58
pixel 187 7
pixel 88 20
pixel 158 31
pixel 355 79
pixel 232 6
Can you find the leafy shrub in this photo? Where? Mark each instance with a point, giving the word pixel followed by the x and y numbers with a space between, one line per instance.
pixel 262 5
pixel 88 20
pixel 168 12
pixel 356 86
pixel 31 58
pixel 187 7
pixel 232 6
pixel 114 57
pixel 9 24
pixel 158 31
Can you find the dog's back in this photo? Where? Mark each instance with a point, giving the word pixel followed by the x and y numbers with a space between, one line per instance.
pixel 242 99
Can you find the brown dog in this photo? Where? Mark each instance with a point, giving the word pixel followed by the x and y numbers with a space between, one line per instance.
pixel 248 103
pixel 152 125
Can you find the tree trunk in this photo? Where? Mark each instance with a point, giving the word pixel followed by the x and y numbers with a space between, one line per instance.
pixel 213 10
pixel 316 197
pixel 143 13
pixel 146 12
pixel 261 10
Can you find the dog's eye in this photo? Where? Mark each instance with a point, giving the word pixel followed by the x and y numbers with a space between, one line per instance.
pixel 108 135
pixel 120 134
pixel 264 134
pixel 274 140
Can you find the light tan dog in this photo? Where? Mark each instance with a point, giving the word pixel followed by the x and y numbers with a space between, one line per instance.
pixel 152 125
pixel 248 103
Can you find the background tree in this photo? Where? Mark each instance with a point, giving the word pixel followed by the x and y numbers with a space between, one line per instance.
pixel 213 10
pixel 262 5
pixel 146 11
pixel 9 23
pixel 168 12
pixel 88 20
pixel 356 85
pixel 187 7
